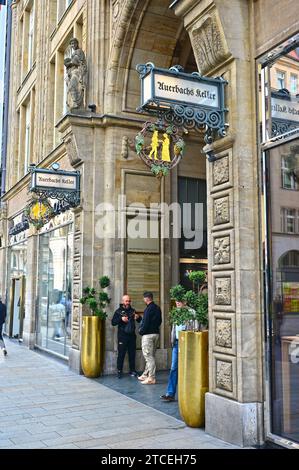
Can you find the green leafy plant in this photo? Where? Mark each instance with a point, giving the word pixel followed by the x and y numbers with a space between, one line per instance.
pixel 159 170
pixel 97 301
pixel 195 309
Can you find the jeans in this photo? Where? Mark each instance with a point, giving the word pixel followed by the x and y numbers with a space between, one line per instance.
pixel 173 376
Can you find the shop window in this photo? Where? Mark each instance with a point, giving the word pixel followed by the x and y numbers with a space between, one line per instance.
pixel 55 273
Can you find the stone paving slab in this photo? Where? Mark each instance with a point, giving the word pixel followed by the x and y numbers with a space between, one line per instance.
pixel 46 406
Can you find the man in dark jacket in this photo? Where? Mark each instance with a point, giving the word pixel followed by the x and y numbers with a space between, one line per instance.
pixel 149 330
pixel 125 317
pixel 2 320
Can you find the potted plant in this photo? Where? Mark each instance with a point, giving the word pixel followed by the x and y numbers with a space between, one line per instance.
pixel 93 328
pixel 193 349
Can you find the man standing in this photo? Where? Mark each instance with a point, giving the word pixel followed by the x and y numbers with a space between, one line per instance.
pixel 125 317
pixel 149 330
pixel 2 320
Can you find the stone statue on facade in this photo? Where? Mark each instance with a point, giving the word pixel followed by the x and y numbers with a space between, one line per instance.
pixel 76 71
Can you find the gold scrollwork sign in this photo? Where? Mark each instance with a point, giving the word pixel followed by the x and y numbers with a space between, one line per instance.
pixel 160 147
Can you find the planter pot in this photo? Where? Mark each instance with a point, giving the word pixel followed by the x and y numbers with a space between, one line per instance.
pixel 92 348
pixel 193 380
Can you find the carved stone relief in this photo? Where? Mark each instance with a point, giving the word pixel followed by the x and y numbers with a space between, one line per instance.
pixel 221 210
pixel 77 267
pixel 72 150
pixel 223 291
pixel 78 222
pixel 222 250
pixel 77 246
pixel 224 375
pixel 223 333
pixel 76 313
pixel 208 44
pixel 76 338
pixel 221 171
pixel 76 291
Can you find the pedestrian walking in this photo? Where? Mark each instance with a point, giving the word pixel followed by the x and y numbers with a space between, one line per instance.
pixel 150 330
pixel 173 374
pixel 2 321
pixel 124 317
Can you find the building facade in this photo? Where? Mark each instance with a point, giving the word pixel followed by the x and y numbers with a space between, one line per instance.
pixel 252 312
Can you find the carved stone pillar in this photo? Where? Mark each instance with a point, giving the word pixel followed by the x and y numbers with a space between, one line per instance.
pixel 220 36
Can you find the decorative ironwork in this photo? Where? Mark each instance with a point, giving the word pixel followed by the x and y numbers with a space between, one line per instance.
pixel 56 184
pixel 281 126
pixel 39 212
pixel 199 103
pixel 160 154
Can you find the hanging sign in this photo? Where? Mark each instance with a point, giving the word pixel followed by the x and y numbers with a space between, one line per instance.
pixel 160 147
pixel 185 99
pixel 56 184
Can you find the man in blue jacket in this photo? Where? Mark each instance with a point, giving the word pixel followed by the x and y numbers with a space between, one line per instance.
pixel 2 321
pixel 149 330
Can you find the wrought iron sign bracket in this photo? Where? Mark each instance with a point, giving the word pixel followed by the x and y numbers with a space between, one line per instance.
pixel 188 101
pixel 56 184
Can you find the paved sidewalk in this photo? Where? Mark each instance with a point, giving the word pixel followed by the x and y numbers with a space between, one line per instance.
pixel 45 405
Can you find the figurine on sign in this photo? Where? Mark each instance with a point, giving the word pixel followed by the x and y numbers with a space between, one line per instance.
pixel 76 69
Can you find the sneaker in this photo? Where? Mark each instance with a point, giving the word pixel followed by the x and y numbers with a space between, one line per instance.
pixel 4 352
pixel 119 374
pixel 167 397
pixel 133 374
pixel 149 381
pixel 142 377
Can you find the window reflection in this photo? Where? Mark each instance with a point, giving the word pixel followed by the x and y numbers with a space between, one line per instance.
pixel 55 290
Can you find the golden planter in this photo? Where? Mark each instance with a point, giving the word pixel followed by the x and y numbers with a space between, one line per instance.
pixel 193 380
pixel 92 349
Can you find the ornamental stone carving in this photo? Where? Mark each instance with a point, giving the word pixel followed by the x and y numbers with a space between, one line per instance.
pixel 223 334
pixel 76 338
pixel 208 44
pixel 78 222
pixel 221 210
pixel 222 250
pixel 77 268
pixel 223 291
pixel 77 246
pixel 72 150
pixel 76 313
pixel 76 291
pixel 224 375
pixel 221 171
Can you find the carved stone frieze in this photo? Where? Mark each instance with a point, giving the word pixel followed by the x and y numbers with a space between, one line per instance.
pixel 223 291
pixel 221 171
pixel 222 250
pixel 77 246
pixel 208 44
pixel 224 375
pixel 223 333
pixel 221 210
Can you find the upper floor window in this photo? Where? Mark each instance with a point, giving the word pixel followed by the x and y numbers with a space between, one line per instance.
pixel 62 5
pixel 289 220
pixel 31 38
pixel 289 179
pixel 293 83
pixel 280 79
pixel 27 137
